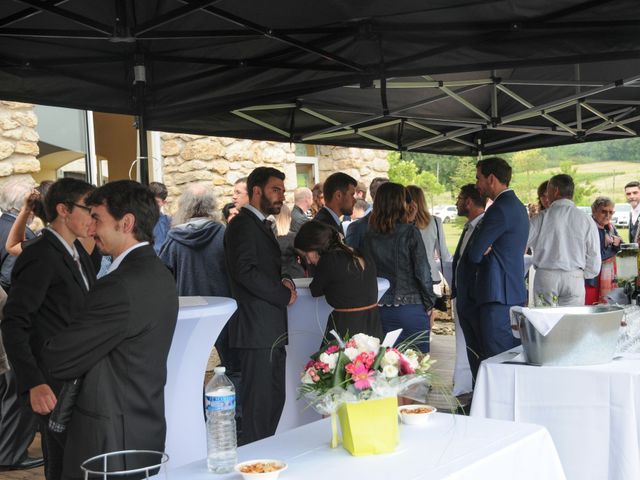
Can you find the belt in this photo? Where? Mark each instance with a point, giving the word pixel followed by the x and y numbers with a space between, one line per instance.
pixel 357 309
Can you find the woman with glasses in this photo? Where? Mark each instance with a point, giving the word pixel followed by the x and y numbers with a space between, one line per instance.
pixel 396 247
pixel 597 289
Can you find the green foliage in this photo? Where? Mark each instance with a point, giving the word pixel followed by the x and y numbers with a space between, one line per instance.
pixel 406 172
pixel 524 165
pixel 583 189
pixel 464 173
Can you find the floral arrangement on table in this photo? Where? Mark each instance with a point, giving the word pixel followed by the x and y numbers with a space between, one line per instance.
pixel 359 369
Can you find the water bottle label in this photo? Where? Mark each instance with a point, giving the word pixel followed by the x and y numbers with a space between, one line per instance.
pixel 218 403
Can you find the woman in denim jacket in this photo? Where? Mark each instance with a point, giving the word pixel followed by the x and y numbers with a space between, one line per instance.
pixel 400 256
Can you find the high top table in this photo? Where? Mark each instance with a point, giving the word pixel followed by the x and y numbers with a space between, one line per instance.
pixel 307 322
pixel 451 447
pixel 200 320
pixel 592 412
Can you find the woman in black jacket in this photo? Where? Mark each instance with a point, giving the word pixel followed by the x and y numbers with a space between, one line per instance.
pixel 400 256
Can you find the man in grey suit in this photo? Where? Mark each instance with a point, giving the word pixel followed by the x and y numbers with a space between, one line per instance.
pixel 303 198
pixel 120 340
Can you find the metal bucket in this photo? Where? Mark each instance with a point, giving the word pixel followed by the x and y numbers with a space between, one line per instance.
pixel 583 336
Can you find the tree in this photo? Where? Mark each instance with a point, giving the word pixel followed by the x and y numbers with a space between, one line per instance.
pixel 583 190
pixel 464 173
pixel 406 172
pixel 527 162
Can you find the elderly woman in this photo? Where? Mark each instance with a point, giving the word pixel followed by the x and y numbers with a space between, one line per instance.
pixel 597 288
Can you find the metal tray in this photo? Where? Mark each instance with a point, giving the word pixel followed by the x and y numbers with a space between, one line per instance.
pixel 583 336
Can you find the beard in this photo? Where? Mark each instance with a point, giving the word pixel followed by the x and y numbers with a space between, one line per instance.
pixel 269 207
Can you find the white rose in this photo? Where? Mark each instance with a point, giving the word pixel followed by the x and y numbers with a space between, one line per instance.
pixel 389 371
pixel 351 353
pixel 365 343
pixel 412 358
pixel 330 359
pixel 390 358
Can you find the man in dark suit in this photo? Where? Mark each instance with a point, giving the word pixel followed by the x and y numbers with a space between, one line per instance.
pixel 49 285
pixel 498 249
pixel 120 341
pixel 302 198
pixel 259 332
pixel 339 198
pixel 18 423
pixel 470 204
pixel 358 229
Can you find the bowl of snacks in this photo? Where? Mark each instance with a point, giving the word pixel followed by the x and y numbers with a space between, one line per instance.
pixel 261 469
pixel 415 414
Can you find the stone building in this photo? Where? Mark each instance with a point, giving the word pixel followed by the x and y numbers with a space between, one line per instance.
pixel 50 143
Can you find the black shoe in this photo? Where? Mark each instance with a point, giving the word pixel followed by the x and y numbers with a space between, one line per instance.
pixel 26 464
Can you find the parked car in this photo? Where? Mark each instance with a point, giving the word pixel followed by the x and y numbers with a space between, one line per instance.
pixel 621 217
pixel 446 213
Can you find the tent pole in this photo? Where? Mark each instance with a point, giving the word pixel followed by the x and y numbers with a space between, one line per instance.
pixel 143 158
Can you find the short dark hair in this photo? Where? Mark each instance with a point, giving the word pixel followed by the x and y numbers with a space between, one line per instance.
pixel 375 183
pixel 564 184
pixel 67 191
pixel 338 181
pixel 497 166
pixel 632 184
pixel 126 196
pixel 260 176
pixel 159 190
pixel 226 210
pixel 471 192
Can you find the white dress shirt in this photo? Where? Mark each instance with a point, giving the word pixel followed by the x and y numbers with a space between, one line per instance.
pixel 633 216
pixel 471 226
pixel 73 251
pixel 564 238
pixel 118 260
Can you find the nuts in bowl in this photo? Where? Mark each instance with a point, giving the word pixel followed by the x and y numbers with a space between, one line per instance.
pixel 415 414
pixel 262 469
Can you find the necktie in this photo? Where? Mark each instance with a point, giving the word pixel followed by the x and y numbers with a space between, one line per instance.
pixel 76 259
pixel 269 225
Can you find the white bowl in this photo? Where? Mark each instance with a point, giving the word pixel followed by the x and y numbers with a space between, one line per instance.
pixel 261 476
pixel 415 418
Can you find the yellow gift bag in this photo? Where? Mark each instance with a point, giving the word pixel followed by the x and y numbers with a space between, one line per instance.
pixel 369 427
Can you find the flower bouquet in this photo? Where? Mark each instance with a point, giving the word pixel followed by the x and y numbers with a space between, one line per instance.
pixel 358 379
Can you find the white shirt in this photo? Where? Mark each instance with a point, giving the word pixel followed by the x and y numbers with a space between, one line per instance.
pixel 73 251
pixel 564 238
pixel 471 226
pixel 118 260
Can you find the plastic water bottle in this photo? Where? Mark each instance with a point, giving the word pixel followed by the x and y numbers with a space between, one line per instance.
pixel 220 402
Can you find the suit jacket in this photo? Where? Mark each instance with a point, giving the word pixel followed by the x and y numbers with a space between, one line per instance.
pixel 504 228
pixel 325 217
pixel 252 256
pixel 47 291
pixel 464 273
pixel 119 342
pixel 8 261
pixel 356 232
pixel 298 218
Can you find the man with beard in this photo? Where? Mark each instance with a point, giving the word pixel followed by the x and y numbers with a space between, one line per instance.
pixel 339 198
pixel 259 331
pixel 497 248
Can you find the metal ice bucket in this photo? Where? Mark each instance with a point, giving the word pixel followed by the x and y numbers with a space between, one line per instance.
pixel 583 336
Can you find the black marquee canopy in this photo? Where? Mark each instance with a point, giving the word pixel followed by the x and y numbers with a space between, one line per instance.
pixel 458 77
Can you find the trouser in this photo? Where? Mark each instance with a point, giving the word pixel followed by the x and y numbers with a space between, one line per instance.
pixel 412 319
pixel 558 288
pixel 469 323
pixel 52 449
pixel 263 391
pixel 17 422
pixel 462 379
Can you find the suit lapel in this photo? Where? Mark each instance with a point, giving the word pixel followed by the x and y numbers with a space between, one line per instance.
pixel 66 258
pixel 266 230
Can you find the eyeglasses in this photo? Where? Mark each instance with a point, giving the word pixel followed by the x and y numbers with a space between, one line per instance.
pixel 607 212
pixel 83 207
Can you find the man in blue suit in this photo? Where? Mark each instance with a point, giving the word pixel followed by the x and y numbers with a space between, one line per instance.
pixel 497 249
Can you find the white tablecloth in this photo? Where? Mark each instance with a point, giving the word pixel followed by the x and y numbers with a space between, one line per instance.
pixel 592 412
pixel 200 320
pixel 307 322
pixel 448 447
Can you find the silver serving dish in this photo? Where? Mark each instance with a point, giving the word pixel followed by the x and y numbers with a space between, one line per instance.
pixel 583 336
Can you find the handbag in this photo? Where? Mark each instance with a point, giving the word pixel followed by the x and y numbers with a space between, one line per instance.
pixel 442 302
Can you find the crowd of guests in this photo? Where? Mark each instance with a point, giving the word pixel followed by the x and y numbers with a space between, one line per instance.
pixel 102 277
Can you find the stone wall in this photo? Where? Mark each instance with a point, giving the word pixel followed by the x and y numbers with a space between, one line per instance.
pixel 196 158
pixel 18 139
